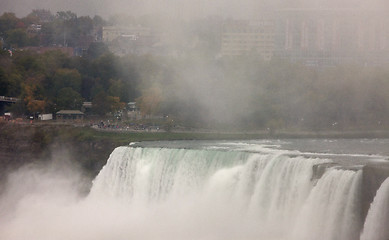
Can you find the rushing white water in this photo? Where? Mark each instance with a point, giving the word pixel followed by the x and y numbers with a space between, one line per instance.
pixel 376 225
pixel 331 210
pixel 211 194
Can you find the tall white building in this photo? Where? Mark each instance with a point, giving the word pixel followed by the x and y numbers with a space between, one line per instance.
pixel 248 38
pixel 329 36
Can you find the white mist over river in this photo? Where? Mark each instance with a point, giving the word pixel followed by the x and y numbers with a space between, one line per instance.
pixel 270 190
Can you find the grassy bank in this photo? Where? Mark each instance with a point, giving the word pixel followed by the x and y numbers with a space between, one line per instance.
pixel 124 138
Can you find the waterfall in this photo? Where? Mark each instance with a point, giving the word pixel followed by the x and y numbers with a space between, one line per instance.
pixel 332 208
pixel 214 194
pixel 377 220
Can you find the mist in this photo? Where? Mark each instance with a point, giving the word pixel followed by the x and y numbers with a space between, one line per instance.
pixel 240 63
pixel 197 194
pixel 304 79
pixel 48 201
pixel 180 8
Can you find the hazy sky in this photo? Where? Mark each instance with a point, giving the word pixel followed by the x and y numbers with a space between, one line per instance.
pixel 233 8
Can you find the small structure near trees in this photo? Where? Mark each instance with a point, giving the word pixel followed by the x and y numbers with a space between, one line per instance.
pixel 70 115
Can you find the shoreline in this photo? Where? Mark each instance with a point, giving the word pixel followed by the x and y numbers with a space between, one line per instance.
pixel 90 147
pixel 199 134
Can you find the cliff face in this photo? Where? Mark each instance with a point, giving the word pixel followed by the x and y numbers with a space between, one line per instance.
pixel 17 146
pixel 22 144
pixel 374 174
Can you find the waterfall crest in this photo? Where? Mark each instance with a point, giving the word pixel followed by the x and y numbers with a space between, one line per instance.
pixel 250 195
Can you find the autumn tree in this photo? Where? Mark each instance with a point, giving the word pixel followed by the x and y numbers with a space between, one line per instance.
pixel 32 102
pixel 149 101
pixel 102 104
pixel 115 104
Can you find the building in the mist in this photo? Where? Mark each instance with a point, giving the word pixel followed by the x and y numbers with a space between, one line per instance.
pixel 34 28
pixel 329 37
pixel 133 112
pixel 111 33
pixel 248 38
pixel 129 40
pixel 86 107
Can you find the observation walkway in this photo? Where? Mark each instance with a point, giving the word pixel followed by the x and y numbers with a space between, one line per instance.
pixel 9 99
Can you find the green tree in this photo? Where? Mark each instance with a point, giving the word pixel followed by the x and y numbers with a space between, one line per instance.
pixel 98 21
pixel 105 68
pixel 8 21
pixel 17 37
pixel 119 89
pixel 15 80
pixel 28 62
pixel 9 83
pixel 100 105
pixel 62 15
pixel 97 49
pixel 64 77
pixel 88 84
pixel 54 60
pixel 84 25
pixel 42 15
pixel 68 99
pixel 4 84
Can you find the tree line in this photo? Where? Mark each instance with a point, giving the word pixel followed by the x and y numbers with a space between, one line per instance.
pixel 42 28
pixel 196 88
pixel 240 92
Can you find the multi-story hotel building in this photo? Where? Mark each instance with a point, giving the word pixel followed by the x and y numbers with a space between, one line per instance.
pixel 328 37
pixel 248 38
pixel 129 40
pixel 111 33
pixel 311 36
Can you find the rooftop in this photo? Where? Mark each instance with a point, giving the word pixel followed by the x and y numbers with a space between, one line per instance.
pixel 70 112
